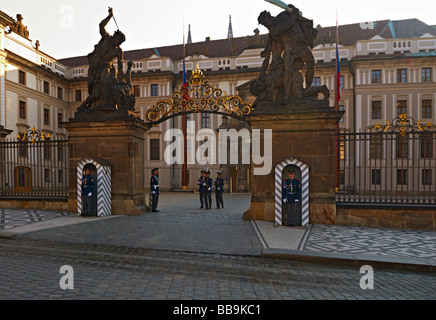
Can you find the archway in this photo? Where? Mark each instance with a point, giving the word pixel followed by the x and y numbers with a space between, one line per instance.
pixel 302 174
pixel 198 96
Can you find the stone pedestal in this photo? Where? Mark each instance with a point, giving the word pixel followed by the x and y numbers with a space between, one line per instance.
pixel 305 130
pixel 120 141
pixel 4 133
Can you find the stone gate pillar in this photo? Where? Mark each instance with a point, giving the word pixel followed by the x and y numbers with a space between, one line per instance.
pixel 119 140
pixel 305 130
pixel 3 134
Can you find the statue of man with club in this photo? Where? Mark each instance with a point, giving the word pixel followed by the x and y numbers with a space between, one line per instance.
pixel 105 83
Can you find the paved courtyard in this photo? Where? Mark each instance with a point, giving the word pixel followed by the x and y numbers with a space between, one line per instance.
pixel 31 270
pixel 182 226
pixel 179 226
pixel 184 252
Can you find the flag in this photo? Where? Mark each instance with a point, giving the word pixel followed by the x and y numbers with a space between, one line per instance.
pixel 185 82
pixel 338 66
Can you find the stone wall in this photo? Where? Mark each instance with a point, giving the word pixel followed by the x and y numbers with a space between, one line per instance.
pixel 406 218
pixel 52 205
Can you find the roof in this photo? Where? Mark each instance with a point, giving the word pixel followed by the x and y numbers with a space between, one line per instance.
pixel 388 29
pixel 212 49
pixel 6 18
pixel 348 36
pixel 412 28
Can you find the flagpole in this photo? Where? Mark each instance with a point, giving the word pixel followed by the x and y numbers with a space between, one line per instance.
pixel 184 123
pixel 337 97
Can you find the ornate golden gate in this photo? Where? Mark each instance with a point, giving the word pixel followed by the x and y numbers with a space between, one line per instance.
pixel 198 97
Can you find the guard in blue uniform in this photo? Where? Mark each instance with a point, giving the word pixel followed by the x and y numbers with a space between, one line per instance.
pixel 292 196
pixel 209 182
pixel 88 183
pixel 202 188
pixel 219 189
pixel 154 187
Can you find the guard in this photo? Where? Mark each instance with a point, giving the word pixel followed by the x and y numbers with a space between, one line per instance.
pixel 88 183
pixel 219 189
pixel 209 182
pixel 154 187
pixel 202 188
pixel 292 196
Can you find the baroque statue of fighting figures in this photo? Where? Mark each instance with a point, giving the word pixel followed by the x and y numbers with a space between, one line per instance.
pixel 109 88
pixel 287 53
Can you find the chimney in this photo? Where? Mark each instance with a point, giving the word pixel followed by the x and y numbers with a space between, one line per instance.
pixel 207 39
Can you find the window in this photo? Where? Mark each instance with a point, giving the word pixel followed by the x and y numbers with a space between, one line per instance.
pixel 427 177
pixel 401 107
pixel 137 91
pixel 376 110
pixel 426 146
pixel 60 152
pixel 376 76
pixel 60 120
pixel 188 120
pixel 154 90
pixel 426 74
pixel 342 177
pixel 47 153
pixel 61 176
pixel 22 110
pixel 47 175
pixel 78 95
pixel 402 146
pixel 426 109
pixel 341 79
pixel 205 120
pixel 22 149
pixel 341 108
pixel 401 177
pixel 21 77
pixel 342 148
pixel 376 147
pixel 316 82
pixel 376 177
pixel 401 75
pixel 46 117
pixel 46 87
pixel 154 149
pixel 59 93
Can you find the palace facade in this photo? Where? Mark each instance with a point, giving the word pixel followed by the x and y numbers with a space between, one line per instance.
pixel 387 67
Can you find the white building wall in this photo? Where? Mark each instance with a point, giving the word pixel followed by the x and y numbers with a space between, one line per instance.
pixel 12 73
pixel 31 80
pixel 2 95
pixel 11 110
pixel 32 113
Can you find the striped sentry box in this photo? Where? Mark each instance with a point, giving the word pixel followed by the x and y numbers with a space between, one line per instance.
pixel 104 187
pixel 304 190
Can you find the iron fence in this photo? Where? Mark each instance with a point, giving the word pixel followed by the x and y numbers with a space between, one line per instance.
pixel 388 166
pixel 33 168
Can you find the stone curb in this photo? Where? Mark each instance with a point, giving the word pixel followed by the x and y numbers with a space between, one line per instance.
pixel 412 264
pixel 7 234
pixel 53 223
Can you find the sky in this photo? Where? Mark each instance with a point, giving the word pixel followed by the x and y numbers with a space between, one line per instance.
pixel 67 28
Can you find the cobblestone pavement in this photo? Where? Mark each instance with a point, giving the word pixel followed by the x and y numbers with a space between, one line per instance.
pixel 373 241
pixel 180 226
pixel 12 218
pixel 30 269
